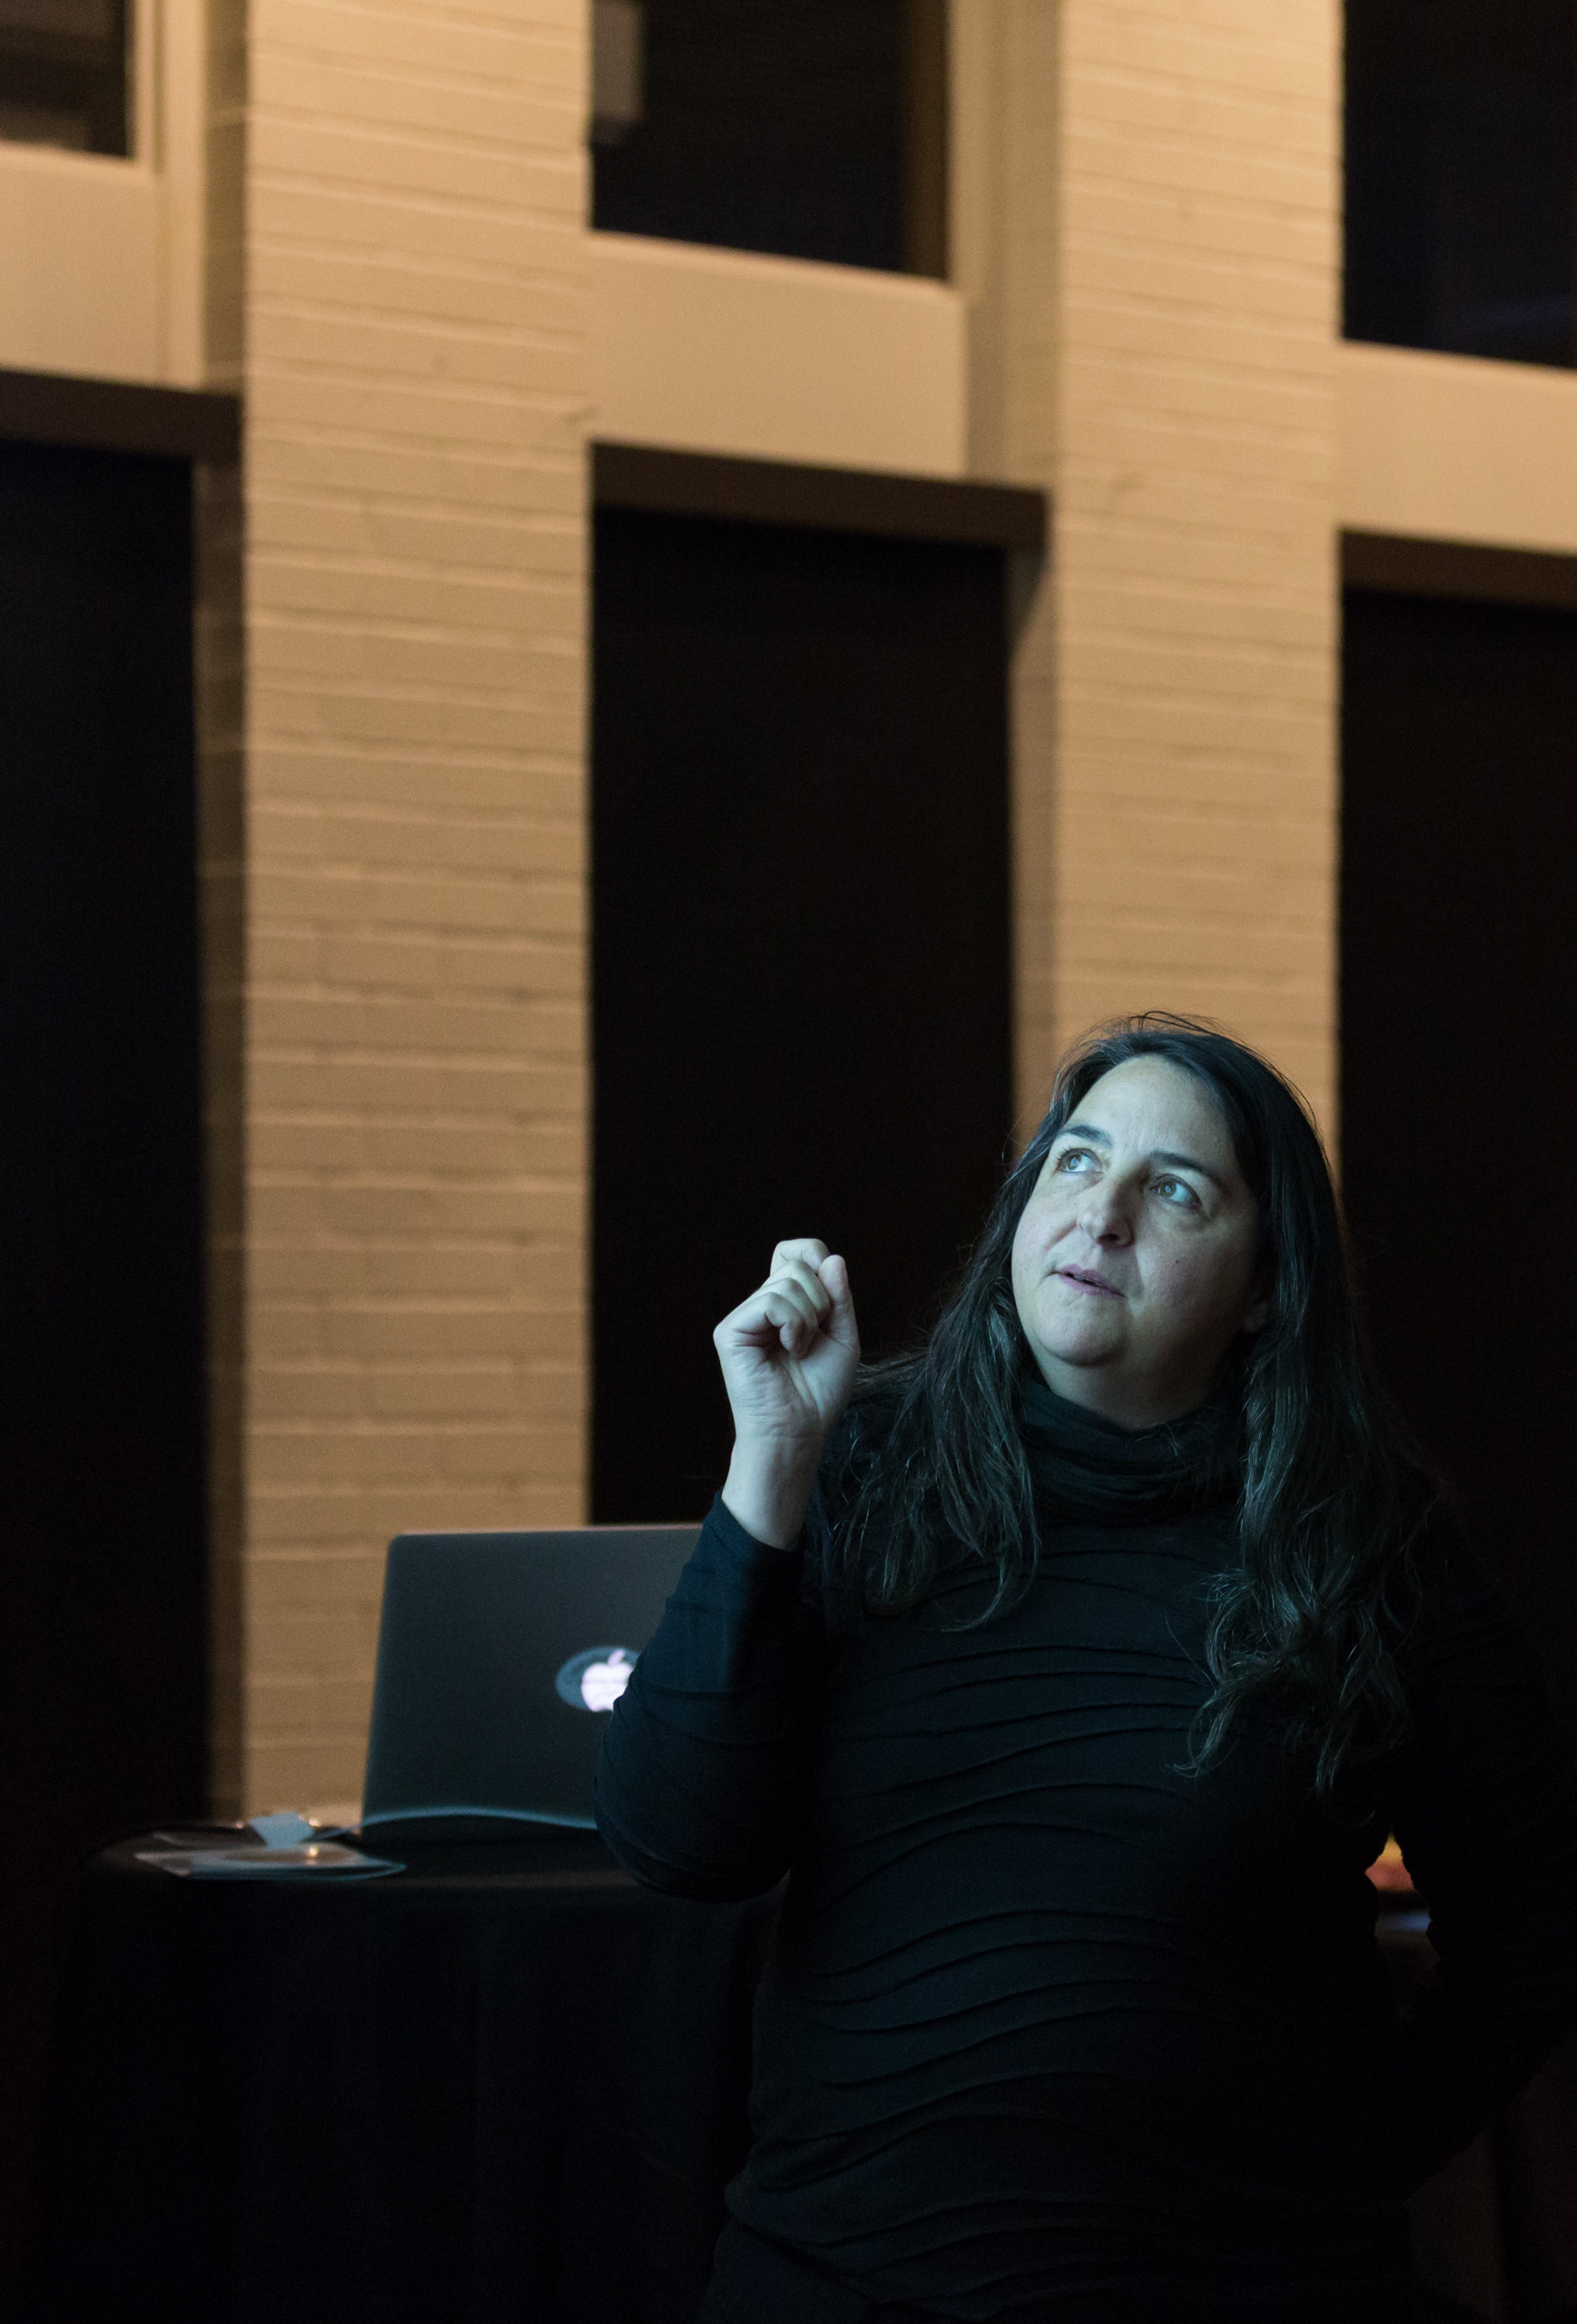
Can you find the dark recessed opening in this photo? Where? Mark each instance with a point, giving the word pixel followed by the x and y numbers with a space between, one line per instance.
pixel 805 128
pixel 1462 176
pixel 1459 894
pixel 104 1708
pixel 800 949
pixel 66 75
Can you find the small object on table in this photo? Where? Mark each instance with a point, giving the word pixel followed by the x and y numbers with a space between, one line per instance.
pixel 317 1858
pixel 283 1829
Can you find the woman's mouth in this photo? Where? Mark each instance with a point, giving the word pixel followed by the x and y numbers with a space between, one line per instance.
pixel 1083 1279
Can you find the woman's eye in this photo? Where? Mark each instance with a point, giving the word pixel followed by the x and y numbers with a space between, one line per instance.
pixel 1077 1157
pixel 1175 1190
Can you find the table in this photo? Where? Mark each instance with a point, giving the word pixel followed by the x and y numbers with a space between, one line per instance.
pixel 505 2083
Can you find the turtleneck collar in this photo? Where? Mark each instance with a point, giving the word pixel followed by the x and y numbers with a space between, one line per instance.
pixel 1089 1470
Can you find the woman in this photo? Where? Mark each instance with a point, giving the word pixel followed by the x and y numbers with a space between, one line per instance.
pixel 1074 1670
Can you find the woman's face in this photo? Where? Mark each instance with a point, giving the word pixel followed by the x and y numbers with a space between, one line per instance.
pixel 1137 1260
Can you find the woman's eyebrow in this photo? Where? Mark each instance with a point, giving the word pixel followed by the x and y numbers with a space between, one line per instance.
pixel 1085 1129
pixel 1186 1162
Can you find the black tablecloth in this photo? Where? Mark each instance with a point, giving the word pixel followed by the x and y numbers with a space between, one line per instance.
pixel 505 2083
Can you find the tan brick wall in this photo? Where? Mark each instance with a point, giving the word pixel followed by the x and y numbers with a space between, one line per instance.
pixel 1162 352
pixel 415 1092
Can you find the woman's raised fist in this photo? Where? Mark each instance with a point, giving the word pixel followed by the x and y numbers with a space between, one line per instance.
pixel 789 1355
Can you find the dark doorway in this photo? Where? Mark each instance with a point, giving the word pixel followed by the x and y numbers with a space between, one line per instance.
pixel 1459 1094
pixel 103 1710
pixel 801 951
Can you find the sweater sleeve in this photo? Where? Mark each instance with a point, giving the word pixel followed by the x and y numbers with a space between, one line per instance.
pixel 701 1780
pixel 1486 1814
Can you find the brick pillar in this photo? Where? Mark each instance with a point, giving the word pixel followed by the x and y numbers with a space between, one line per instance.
pixel 1162 309
pixel 413 1090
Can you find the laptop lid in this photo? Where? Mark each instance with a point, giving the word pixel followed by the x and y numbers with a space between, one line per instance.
pixel 499 1657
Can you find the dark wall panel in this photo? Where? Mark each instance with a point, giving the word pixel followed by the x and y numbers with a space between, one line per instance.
pixel 102 1631
pixel 1459 1094
pixel 800 954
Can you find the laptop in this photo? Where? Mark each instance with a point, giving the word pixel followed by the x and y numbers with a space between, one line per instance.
pixel 500 1656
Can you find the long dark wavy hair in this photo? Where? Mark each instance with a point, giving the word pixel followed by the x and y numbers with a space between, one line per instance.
pixel 930 1472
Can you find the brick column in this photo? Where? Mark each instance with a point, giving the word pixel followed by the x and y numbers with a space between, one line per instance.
pixel 414 1072
pixel 1196 591
pixel 1162 310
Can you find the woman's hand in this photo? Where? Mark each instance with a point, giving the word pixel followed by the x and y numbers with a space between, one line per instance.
pixel 788 1354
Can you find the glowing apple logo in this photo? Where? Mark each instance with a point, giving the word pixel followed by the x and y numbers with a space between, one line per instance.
pixel 595 1680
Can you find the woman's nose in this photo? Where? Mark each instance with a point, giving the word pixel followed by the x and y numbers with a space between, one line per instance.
pixel 1104 1216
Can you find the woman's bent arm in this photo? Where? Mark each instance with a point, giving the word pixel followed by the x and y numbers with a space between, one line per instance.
pixel 701 1784
pixel 702 1778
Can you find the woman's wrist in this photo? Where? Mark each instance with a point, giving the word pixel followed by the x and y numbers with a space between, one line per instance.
pixel 768 1490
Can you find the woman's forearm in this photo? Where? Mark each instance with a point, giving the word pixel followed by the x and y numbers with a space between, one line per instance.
pixel 701 1783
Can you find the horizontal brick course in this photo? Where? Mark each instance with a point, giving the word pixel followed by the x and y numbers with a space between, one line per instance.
pixel 381 485
pixel 314 1520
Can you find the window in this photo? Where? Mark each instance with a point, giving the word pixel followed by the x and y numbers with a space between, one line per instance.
pixel 1462 176
pixel 64 74
pixel 809 128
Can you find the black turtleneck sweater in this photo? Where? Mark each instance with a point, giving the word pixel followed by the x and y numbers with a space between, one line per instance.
pixel 1054 2028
